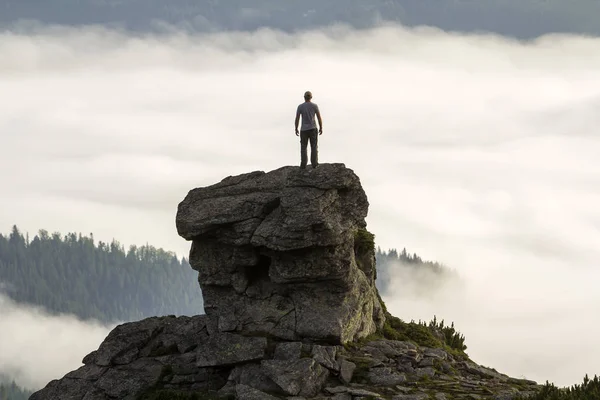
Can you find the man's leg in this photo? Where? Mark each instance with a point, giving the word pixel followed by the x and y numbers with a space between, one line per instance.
pixel 303 145
pixel 314 151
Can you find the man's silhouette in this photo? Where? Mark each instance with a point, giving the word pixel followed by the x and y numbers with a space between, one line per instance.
pixel 308 131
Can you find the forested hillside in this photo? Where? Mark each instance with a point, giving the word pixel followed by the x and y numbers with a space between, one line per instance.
pixel 103 281
pixel 13 392
pixel 73 274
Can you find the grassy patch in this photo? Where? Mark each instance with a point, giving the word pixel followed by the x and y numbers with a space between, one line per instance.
pixel 396 329
pixel 432 334
pixel 364 242
pixel 361 373
pixel 364 252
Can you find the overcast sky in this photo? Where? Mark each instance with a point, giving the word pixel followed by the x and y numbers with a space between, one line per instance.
pixel 475 151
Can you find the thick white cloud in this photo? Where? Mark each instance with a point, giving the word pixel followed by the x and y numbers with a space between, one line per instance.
pixel 475 151
pixel 36 347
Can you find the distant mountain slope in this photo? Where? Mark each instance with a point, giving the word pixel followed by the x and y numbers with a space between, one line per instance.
pixel 73 274
pixel 515 18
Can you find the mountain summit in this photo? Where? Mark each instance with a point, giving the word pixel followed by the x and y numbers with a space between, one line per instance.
pixel 282 254
pixel 287 270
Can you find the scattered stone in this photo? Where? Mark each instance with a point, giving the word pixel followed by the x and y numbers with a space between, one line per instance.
pixel 336 389
pixel 325 355
pixel 364 393
pixel 505 396
pixel 391 348
pixel 483 372
pixel 304 377
pixel 411 357
pixel 416 396
pixel 227 391
pixel 440 354
pixel 427 371
pixel 426 362
pixel 87 372
pixel 346 370
pixel 244 392
pixel 342 396
pixel 123 344
pixel 385 377
pixel 253 375
pixel 130 381
pixel 228 349
pixel 288 351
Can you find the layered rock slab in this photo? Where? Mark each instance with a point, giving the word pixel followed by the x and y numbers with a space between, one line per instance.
pixel 278 254
pixel 179 357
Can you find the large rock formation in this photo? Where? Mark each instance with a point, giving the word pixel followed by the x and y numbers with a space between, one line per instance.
pixel 285 254
pixel 287 272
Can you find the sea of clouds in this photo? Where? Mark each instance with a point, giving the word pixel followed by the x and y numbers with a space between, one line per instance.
pixel 36 347
pixel 476 151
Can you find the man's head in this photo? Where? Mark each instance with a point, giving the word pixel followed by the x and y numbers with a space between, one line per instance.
pixel 307 95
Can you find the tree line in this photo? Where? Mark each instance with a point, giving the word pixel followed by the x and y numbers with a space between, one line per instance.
pixel 417 276
pixel 103 281
pixel 11 391
pixel 74 274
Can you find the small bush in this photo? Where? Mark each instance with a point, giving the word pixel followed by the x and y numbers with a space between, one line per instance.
pixel 588 390
pixel 452 338
pixel 364 242
pixel 432 334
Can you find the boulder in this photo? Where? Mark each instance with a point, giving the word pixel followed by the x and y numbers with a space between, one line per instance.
pixel 304 377
pixel 285 254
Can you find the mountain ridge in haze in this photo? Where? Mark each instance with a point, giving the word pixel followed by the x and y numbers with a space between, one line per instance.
pixel 512 18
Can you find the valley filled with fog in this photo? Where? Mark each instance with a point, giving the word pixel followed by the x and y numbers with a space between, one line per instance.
pixel 476 151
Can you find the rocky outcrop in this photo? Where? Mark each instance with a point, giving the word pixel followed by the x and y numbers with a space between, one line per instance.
pixel 282 254
pixel 287 271
pixel 177 357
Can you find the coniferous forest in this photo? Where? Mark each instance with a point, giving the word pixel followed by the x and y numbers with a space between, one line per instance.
pixel 11 391
pixel 103 281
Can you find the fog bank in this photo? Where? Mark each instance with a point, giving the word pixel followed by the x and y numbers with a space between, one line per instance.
pixel 476 151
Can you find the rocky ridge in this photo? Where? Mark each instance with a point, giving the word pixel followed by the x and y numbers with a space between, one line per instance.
pixel 287 271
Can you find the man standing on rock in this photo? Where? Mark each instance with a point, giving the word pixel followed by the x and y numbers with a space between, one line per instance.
pixel 308 131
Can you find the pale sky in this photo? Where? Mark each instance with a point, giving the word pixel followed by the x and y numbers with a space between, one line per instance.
pixel 475 151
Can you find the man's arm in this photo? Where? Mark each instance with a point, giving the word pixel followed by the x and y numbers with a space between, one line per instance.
pixel 320 122
pixel 297 120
